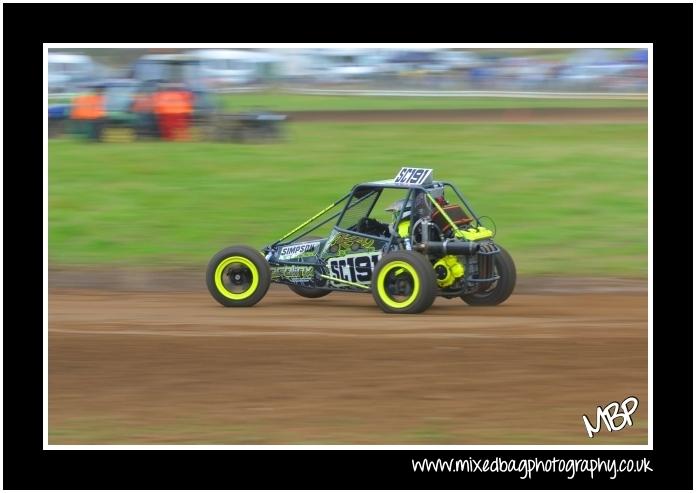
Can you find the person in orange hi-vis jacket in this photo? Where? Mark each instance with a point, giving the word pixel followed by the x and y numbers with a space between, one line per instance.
pixel 88 111
pixel 173 106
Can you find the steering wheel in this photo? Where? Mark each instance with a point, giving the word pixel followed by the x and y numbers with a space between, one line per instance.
pixel 365 224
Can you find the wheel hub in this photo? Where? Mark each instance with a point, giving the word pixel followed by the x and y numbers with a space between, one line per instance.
pixel 238 277
pixel 401 286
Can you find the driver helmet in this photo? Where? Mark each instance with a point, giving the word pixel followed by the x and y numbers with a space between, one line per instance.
pixel 395 209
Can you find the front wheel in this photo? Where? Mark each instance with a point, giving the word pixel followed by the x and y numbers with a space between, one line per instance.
pixel 404 282
pixel 499 290
pixel 238 276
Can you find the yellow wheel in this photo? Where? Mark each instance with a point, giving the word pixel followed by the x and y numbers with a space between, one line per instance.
pixel 404 282
pixel 238 276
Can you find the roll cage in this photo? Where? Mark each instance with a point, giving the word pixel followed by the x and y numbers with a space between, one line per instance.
pixel 369 192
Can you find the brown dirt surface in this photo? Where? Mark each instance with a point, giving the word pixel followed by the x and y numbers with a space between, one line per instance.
pixel 164 367
pixel 512 115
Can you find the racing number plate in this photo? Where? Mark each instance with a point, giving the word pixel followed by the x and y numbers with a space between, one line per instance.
pixel 413 176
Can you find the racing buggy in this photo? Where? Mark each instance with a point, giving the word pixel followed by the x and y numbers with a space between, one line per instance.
pixel 416 248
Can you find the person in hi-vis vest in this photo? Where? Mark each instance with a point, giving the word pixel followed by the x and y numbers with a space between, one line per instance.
pixel 88 112
pixel 173 106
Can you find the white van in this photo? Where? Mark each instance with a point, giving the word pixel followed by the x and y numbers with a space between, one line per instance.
pixel 347 64
pixel 223 68
pixel 67 71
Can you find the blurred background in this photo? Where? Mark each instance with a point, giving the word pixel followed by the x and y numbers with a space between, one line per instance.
pixel 554 149
pixel 158 158
pixel 304 70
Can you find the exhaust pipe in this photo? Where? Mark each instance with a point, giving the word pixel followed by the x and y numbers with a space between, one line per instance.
pixel 448 247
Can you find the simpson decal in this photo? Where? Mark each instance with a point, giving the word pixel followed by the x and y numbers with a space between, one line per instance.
pixel 299 250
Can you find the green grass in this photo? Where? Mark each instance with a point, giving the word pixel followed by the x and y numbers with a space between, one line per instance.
pixel 567 199
pixel 299 102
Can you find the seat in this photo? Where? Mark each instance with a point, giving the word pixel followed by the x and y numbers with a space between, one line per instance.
pixel 370 226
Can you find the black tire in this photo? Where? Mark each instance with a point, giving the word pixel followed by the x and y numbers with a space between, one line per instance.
pixel 243 276
pixel 396 290
pixel 308 292
pixel 502 288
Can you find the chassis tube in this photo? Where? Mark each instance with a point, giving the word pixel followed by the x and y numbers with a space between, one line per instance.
pixel 312 219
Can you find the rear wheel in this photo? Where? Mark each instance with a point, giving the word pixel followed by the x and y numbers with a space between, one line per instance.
pixel 238 276
pixel 499 290
pixel 404 282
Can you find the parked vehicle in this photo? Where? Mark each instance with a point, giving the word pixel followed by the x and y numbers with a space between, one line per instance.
pixel 66 72
pixel 347 64
pixel 209 69
pixel 178 68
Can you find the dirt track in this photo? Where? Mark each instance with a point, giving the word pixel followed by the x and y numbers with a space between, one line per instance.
pixel 166 367
pixel 513 115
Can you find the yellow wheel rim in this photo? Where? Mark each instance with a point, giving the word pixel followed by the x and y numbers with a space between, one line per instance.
pixel 400 268
pixel 244 263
